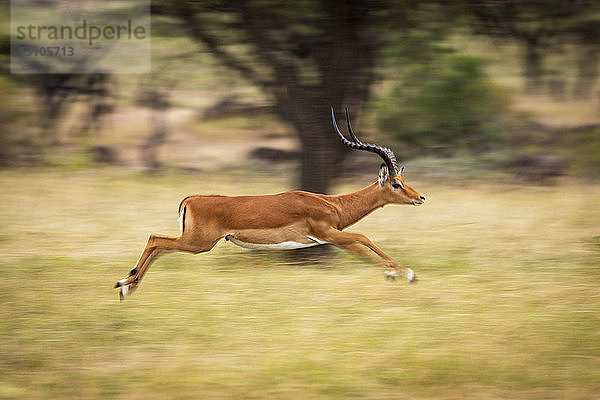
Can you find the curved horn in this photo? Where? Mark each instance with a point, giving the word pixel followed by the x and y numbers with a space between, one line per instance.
pixel 350 127
pixel 385 153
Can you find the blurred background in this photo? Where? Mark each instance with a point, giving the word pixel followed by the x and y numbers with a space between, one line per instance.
pixel 494 108
pixel 505 85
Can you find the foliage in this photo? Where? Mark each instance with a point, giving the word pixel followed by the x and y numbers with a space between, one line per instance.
pixel 584 145
pixel 441 97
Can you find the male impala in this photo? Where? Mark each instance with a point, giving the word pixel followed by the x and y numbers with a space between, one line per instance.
pixel 287 220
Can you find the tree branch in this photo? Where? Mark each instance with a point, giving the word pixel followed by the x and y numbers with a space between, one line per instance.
pixel 198 31
pixel 267 49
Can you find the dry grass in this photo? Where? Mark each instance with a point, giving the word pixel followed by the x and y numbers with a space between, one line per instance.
pixel 507 305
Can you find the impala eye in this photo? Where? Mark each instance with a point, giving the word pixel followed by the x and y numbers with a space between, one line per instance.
pixel 397 185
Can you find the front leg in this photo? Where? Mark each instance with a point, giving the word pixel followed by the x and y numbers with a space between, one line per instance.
pixel 357 244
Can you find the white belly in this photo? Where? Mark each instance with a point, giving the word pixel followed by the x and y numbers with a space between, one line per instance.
pixel 288 245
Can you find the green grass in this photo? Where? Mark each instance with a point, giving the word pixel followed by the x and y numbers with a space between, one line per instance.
pixel 506 307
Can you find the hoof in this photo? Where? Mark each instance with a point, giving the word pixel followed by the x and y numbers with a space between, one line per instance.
pixel 390 275
pixel 120 283
pixel 410 275
pixel 123 292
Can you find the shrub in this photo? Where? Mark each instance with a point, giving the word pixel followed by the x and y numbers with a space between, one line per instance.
pixel 447 101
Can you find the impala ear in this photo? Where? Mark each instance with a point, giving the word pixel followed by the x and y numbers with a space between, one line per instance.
pixel 384 175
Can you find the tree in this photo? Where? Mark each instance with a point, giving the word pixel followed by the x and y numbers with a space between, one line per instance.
pixel 532 23
pixel 308 55
pixel 541 27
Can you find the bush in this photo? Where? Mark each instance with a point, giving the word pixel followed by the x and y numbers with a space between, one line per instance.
pixel 584 150
pixel 447 101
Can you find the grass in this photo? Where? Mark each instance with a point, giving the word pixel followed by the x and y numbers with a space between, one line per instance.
pixel 507 305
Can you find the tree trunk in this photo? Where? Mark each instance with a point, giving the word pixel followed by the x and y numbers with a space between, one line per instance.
pixel 323 154
pixel 532 64
pixel 322 160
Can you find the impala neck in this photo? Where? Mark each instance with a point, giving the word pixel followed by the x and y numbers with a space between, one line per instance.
pixel 355 206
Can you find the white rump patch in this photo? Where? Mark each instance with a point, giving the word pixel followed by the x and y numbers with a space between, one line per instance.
pixel 180 219
pixel 289 245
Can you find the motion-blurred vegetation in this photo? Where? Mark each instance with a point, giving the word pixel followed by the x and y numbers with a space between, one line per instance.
pixel 441 99
pixel 585 145
pixel 507 77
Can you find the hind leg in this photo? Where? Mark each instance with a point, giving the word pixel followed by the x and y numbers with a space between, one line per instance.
pixel 157 245
pixel 129 284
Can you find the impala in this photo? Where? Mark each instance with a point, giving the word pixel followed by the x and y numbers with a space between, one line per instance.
pixel 287 220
